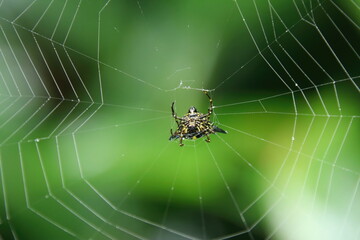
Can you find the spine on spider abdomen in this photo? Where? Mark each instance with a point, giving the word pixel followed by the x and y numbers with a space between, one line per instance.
pixel 216 129
pixel 172 137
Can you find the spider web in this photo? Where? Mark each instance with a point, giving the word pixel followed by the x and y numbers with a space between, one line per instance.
pixel 85 96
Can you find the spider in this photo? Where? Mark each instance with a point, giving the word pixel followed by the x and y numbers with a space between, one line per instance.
pixel 194 124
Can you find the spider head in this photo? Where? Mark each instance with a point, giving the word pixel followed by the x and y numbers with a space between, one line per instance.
pixel 192 110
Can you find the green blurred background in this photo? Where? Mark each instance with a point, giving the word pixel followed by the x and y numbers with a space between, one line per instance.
pixel 85 96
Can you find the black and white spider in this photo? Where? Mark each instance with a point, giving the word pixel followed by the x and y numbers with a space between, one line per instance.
pixel 194 124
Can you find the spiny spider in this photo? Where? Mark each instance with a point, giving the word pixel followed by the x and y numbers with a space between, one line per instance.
pixel 194 124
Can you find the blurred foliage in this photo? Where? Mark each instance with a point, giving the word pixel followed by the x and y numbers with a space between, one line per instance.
pixel 95 158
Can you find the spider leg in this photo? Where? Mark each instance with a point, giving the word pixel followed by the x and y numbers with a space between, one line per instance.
pixel 181 138
pixel 207 138
pixel 210 110
pixel 172 109
pixel 211 103
pixel 174 114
